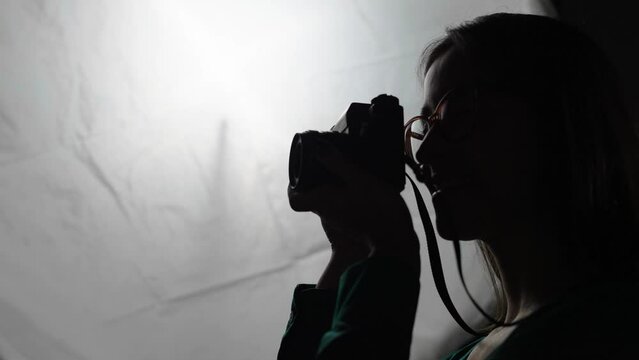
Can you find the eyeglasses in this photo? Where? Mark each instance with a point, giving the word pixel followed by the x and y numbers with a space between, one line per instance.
pixel 454 115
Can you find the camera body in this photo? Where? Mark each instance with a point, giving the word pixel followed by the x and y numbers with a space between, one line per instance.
pixel 369 135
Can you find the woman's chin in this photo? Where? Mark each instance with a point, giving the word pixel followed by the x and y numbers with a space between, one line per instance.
pixel 450 232
pixel 455 217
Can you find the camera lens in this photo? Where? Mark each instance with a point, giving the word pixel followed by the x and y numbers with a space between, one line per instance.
pixel 295 161
pixel 304 171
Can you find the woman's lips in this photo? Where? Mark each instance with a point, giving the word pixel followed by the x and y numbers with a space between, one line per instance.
pixel 437 182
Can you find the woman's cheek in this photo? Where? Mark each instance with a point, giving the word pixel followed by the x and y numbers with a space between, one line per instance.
pixel 460 212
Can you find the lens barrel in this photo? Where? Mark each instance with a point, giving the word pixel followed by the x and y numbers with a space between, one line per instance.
pixel 304 171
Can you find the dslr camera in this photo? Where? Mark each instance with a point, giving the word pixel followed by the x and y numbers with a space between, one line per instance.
pixel 370 135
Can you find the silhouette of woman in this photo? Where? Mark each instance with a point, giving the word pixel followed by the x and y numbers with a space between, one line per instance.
pixel 525 147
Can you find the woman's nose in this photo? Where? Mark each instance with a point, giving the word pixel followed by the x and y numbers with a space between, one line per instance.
pixel 433 147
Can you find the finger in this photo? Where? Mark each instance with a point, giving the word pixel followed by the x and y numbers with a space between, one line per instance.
pixel 338 229
pixel 297 201
pixel 318 200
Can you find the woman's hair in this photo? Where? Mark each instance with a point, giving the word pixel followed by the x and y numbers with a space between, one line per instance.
pixel 589 147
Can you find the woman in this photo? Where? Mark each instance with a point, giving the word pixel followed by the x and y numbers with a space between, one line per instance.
pixel 526 149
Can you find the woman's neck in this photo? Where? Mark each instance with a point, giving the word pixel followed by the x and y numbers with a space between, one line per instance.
pixel 533 274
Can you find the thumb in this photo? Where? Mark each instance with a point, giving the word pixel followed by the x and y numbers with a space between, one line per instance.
pixel 315 200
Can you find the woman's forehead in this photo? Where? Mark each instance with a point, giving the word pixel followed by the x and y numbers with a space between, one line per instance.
pixel 447 72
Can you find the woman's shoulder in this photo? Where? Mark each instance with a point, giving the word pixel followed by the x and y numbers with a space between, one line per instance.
pixel 463 352
pixel 596 321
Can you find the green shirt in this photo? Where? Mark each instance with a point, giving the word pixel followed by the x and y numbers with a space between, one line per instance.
pixel 597 321
pixel 371 316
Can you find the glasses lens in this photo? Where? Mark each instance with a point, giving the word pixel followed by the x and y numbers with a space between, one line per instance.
pixel 454 119
pixel 418 130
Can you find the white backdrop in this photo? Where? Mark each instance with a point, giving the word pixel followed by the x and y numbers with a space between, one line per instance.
pixel 143 157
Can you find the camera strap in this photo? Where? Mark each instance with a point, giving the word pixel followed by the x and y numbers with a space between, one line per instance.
pixel 436 264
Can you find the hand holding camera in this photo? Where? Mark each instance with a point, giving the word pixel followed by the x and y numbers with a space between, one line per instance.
pixel 352 177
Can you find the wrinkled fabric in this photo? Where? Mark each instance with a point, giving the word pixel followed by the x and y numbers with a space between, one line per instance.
pixel 143 167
